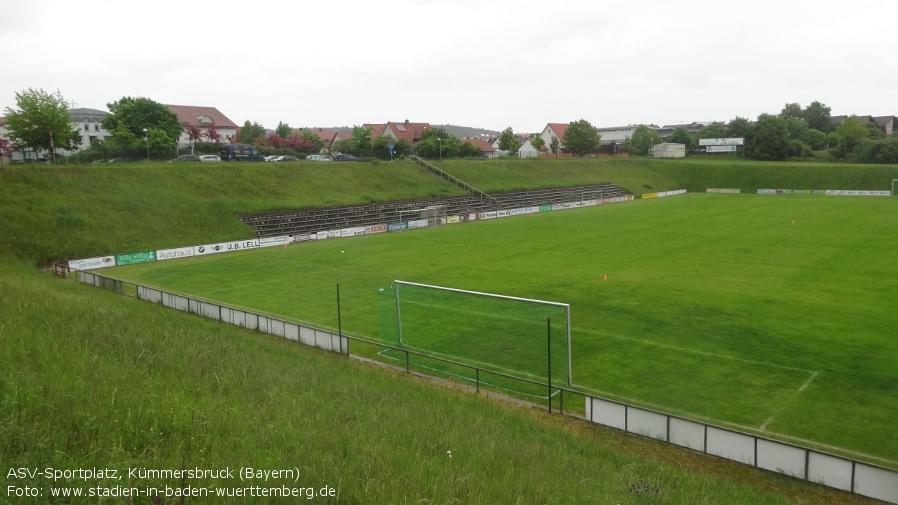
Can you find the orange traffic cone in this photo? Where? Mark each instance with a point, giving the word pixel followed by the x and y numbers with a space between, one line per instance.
pixel 605 277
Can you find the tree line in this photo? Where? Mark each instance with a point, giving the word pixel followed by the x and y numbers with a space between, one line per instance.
pixel 141 127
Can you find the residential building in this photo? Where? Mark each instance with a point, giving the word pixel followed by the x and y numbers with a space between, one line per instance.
pixel 406 130
pixel 204 118
pixel 87 122
pixel 554 130
pixel 486 149
pixel 888 125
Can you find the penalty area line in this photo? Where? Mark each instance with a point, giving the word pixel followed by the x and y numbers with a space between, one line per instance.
pixel 804 386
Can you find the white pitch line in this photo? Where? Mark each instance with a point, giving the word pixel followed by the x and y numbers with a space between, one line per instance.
pixel 804 386
pixel 691 351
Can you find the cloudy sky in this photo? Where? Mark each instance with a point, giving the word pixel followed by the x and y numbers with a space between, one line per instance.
pixel 488 63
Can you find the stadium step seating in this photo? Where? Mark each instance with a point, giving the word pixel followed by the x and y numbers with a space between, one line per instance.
pixel 302 221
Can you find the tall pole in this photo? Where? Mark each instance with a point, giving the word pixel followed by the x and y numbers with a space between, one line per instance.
pixel 339 320
pixel 441 148
pixel 146 137
pixel 549 357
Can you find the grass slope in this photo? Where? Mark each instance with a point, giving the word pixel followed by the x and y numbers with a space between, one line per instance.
pixel 92 379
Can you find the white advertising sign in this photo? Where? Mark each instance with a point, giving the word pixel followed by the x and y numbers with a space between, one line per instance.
pixel 204 249
pixel 240 245
pixel 721 142
pixel 720 149
pixel 275 241
pixel 173 254
pixel 92 263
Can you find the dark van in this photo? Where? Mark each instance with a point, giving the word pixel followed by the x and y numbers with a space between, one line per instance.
pixel 238 152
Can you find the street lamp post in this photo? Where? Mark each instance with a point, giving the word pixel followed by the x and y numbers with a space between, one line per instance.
pixel 146 138
pixel 441 148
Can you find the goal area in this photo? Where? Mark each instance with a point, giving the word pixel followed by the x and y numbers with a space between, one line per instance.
pixel 505 334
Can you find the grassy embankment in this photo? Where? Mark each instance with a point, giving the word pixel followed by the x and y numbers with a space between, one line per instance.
pixel 93 379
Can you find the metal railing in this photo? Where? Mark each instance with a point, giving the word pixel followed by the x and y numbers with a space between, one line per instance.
pixel 430 167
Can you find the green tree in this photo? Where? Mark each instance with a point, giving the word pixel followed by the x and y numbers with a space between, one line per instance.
pixel 359 143
pixel 41 122
pixel 538 143
pixel 642 140
pixel 792 110
pixel 438 143
pixel 768 139
pixel 469 149
pixel 139 114
pixel 250 132
pixel 818 117
pixel 509 142
pixel 283 130
pixel 124 144
pixel 581 138
pixel 308 136
pixel 381 146
pixel 737 128
pixel 712 131
pixel 682 136
pixel 847 137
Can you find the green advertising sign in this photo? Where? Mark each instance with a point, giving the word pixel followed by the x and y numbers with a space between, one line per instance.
pixel 133 258
pixel 545 208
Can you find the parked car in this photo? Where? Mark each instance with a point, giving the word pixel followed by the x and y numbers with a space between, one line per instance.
pixel 187 157
pixel 344 157
pixel 272 157
pixel 283 158
pixel 318 157
pixel 209 157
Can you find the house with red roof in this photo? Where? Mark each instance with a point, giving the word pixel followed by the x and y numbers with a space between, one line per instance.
pixel 554 130
pixel 486 149
pixel 204 118
pixel 406 130
pixel 328 136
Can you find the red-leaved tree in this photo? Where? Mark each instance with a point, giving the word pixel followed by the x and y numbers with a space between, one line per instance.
pixel 297 143
pixel 212 133
pixel 194 133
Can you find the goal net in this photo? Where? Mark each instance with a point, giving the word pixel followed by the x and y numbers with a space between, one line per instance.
pixel 426 217
pixel 505 334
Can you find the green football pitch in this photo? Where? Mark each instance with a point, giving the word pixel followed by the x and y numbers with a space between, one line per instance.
pixel 774 314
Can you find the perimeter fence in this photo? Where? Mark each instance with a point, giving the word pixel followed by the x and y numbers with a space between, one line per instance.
pixel 839 472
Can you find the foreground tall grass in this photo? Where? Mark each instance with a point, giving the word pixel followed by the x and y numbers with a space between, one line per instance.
pixel 92 379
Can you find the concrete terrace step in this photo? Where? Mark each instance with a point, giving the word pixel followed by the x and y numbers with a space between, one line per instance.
pixel 300 221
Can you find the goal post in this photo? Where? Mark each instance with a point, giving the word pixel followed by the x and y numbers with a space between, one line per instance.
pixel 503 333
pixel 426 217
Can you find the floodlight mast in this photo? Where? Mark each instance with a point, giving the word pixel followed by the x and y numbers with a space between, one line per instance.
pixel 892 192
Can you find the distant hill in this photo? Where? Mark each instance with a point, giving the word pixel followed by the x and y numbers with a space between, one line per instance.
pixel 466 131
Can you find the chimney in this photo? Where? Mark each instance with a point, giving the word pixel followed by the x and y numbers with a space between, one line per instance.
pixel 406 121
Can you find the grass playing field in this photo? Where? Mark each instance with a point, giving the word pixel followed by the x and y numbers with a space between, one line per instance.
pixel 768 313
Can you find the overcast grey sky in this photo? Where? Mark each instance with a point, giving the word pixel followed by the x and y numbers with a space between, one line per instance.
pixel 488 64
